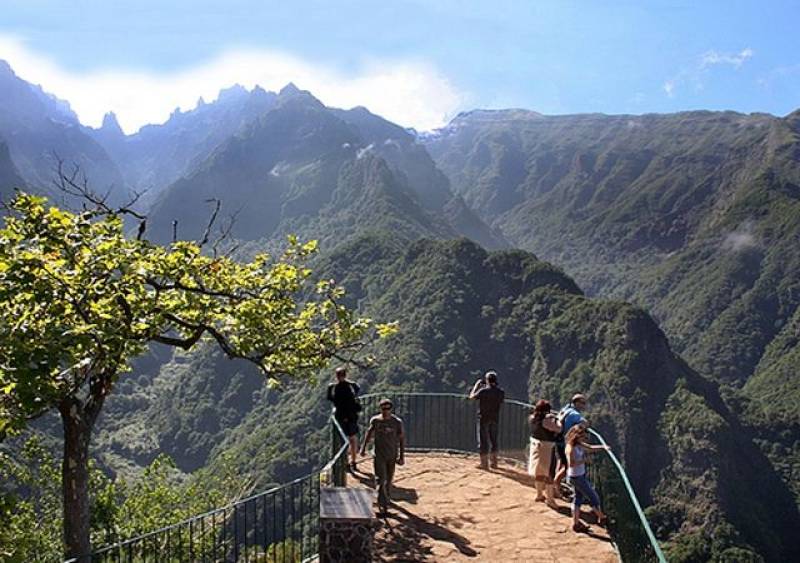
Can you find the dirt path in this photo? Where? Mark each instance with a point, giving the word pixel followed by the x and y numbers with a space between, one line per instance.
pixel 446 509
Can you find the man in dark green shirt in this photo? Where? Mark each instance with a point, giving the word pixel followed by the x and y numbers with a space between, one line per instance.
pixel 387 429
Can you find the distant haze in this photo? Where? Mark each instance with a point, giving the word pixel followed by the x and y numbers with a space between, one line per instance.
pixel 411 93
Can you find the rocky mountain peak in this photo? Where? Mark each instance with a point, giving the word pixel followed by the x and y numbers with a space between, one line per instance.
pixel 5 68
pixel 111 125
pixel 289 90
pixel 235 92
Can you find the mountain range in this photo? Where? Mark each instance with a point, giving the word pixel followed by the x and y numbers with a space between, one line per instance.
pixel 693 218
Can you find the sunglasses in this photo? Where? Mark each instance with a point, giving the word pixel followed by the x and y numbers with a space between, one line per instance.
pixel 386 408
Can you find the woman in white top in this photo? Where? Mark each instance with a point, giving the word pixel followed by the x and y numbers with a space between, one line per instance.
pixel 577 448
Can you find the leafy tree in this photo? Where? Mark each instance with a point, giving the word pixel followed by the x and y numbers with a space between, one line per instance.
pixel 31 512
pixel 79 299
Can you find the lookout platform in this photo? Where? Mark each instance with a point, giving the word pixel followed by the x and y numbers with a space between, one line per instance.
pixel 446 509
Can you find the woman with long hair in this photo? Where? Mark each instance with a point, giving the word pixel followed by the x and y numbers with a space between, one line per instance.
pixel 545 430
pixel 577 448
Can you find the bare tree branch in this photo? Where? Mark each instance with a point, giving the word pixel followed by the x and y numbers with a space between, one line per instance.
pixel 212 219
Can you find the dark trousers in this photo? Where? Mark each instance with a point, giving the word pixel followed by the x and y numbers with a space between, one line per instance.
pixel 384 474
pixel 487 436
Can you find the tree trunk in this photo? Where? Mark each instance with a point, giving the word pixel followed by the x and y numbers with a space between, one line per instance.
pixel 75 478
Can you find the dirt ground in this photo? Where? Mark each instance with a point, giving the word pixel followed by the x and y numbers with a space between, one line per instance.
pixel 446 509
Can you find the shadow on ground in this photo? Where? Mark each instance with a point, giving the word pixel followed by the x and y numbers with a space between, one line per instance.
pixel 407 533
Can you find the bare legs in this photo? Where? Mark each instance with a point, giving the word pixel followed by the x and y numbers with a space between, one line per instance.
pixel 353 440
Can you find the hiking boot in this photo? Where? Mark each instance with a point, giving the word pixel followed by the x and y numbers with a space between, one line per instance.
pixel 493 458
pixel 484 462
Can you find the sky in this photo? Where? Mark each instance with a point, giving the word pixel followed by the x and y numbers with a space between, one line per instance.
pixel 415 62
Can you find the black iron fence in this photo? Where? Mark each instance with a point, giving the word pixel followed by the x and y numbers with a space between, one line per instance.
pixel 447 422
pixel 278 525
pixel 282 524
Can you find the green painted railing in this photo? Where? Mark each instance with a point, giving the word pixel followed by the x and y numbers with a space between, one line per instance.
pixel 447 422
pixel 282 524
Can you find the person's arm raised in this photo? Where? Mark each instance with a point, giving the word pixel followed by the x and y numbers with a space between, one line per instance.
pixel 475 389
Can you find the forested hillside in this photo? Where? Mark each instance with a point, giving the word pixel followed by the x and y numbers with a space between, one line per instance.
pixel 694 218
pixel 461 310
pixel 302 168
pixel 693 215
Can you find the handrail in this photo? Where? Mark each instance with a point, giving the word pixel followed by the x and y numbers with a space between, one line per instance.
pixel 634 499
pixel 617 464
pixel 121 545
pixel 429 438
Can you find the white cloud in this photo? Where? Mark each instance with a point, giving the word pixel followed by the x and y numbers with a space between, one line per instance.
pixel 740 239
pixel 410 93
pixel 736 60
pixel 697 73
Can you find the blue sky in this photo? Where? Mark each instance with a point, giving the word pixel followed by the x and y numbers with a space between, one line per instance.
pixel 417 62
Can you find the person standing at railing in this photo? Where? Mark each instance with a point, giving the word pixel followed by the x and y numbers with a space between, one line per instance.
pixel 568 417
pixel 545 430
pixel 490 399
pixel 390 447
pixel 344 396
pixel 577 448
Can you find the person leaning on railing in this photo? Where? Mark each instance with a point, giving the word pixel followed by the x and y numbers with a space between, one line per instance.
pixel 568 417
pixel 545 430
pixel 576 450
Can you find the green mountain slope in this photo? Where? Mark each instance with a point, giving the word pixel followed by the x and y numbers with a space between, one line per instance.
pixel 694 215
pixel 301 168
pixel 463 310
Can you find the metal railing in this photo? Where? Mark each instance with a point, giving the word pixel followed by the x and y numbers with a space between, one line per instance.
pixel 282 524
pixel 278 525
pixel 447 422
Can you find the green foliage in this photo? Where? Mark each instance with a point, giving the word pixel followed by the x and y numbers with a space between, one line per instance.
pixel 31 511
pixel 288 550
pixel 30 521
pixel 78 300
pixel 30 517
